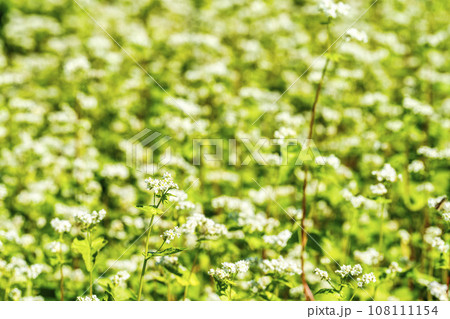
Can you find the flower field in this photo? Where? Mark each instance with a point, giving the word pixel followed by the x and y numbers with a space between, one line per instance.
pixel 224 150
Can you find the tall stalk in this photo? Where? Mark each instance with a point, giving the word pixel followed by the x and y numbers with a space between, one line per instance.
pixel 61 262
pixel 144 265
pixel 307 290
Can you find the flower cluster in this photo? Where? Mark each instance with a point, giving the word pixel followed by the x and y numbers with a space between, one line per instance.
pixel 161 186
pixel 355 34
pixel 366 279
pixel 229 270
pixel 280 266
pixel 280 240
pixel 88 220
pixel 439 291
pixel 347 270
pixel 387 173
pixel 203 227
pixel 332 9
pixel 322 274
pixel 170 234
pixel 61 226
pixel 120 278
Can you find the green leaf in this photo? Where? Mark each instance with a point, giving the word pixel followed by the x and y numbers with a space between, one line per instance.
pixel 150 210
pixel 82 247
pixel 165 252
pixel 327 291
pixel 89 253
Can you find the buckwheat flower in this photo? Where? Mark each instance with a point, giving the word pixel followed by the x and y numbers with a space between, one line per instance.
pixel 416 166
pixel 229 267
pixel 87 298
pixel 322 274
pixel 280 266
pixel 87 219
pixel 446 217
pixel 431 233
pixel 356 270
pixel 344 271
pixel 355 34
pixel 387 173
pixel 60 226
pixel 170 234
pixel 394 268
pixel 440 245
pixel 179 197
pixel 332 9
pixel 284 132
pixel 120 278
pixel 280 240
pixel 57 247
pixel 35 270
pixel 204 227
pixel 378 189
pixel 439 291
pixel 15 294
pixel 242 266
pixel 161 186
pixel 366 279
pixel 369 257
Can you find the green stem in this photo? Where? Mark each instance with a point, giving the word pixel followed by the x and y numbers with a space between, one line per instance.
pixel 141 279
pixel 190 273
pixel 354 293
pixel 61 262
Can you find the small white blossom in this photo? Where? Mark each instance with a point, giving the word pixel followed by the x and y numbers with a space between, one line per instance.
pixel 387 173
pixel 170 234
pixel 280 240
pixel 378 189
pixel 355 34
pixel 322 274
pixel 439 291
pixel 332 9
pixel 366 279
pixel 60 226
pixel 161 186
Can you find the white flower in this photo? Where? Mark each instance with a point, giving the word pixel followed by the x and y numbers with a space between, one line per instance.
pixel 416 166
pixel 356 35
pixel 378 189
pixel 228 269
pixel 204 227
pixel 280 240
pixel 394 268
pixel 60 226
pixel 161 186
pixel 280 266
pixel 440 245
pixel 322 274
pixel 356 270
pixel 439 291
pixel 87 219
pixel 57 247
pixel 344 271
pixel 15 294
pixel 387 173
pixel 366 279
pixel 120 277
pixel 284 132
pixel 369 257
pixel 87 298
pixel 332 9
pixel 170 234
